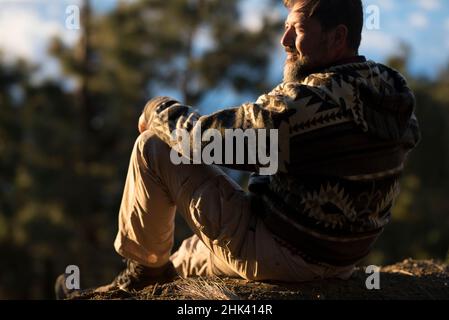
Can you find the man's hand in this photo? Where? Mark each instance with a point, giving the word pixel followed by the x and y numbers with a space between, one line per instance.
pixel 148 112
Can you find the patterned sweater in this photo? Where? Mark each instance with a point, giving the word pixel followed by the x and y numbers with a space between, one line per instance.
pixel 344 135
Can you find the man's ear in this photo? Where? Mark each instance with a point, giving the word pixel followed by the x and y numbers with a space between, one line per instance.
pixel 341 37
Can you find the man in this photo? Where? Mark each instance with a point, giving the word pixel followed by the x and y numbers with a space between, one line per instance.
pixel 345 128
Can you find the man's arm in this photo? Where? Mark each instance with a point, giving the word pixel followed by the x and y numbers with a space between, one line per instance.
pixel 247 120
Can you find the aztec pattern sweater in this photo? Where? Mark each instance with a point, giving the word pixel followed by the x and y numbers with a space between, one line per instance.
pixel 344 136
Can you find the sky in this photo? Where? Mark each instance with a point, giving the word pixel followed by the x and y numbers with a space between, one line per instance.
pixel 26 26
pixel 422 24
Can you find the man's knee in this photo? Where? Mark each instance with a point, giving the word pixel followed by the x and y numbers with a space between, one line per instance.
pixel 151 147
pixel 147 139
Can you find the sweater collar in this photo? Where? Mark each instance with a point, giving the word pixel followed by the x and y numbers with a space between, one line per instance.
pixel 355 59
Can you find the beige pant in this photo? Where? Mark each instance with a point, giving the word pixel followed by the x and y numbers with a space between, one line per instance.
pixel 229 239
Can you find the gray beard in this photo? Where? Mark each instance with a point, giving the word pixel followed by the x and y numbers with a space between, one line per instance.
pixel 296 71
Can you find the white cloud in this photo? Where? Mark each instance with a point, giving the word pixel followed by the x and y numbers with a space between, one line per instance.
pixel 429 5
pixel 253 12
pixel 418 20
pixel 378 43
pixel 203 41
pixel 26 30
pixel 252 21
pixel 388 5
pixel 251 17
pixel 25 34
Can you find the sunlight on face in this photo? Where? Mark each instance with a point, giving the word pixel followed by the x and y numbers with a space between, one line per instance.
pixel 305 43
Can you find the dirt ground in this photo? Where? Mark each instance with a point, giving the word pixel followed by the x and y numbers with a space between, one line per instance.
pixel 409 279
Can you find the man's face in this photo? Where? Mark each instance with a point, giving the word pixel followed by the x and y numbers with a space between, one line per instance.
pixel 306 44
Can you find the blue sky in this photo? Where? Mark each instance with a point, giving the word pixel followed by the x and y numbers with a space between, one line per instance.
pixel 27 25
pixel 423 24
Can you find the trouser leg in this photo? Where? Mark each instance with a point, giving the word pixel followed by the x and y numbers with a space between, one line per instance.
pixel 215 207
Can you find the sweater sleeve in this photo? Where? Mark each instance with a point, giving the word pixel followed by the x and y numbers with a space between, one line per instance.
pixel 242 138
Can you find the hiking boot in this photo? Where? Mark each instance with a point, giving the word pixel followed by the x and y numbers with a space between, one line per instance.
pixel 62 292
pixel 137 276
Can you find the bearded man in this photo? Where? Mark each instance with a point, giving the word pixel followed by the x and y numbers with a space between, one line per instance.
pixel 345 127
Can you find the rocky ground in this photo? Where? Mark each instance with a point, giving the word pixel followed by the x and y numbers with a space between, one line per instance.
pixel 409 279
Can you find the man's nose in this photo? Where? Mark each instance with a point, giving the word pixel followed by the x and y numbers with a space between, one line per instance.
pixel 288 39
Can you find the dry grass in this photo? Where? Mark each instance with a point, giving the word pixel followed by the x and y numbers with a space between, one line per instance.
pixel 206 289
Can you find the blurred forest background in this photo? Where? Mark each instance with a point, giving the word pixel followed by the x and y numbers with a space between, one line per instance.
pixel 65 144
